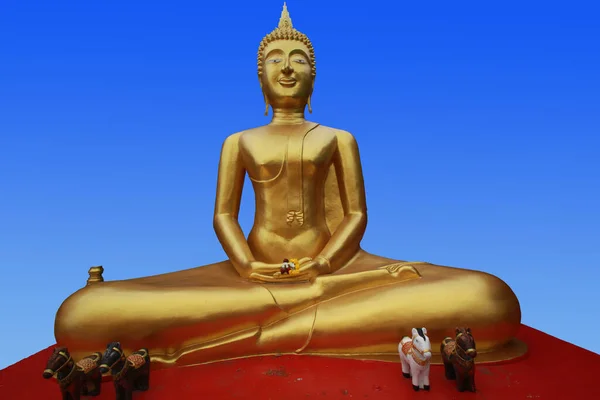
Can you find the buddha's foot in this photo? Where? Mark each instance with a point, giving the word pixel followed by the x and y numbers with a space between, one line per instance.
pixel 403 269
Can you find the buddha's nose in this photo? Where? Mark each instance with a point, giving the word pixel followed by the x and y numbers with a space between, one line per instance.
pixel 287 69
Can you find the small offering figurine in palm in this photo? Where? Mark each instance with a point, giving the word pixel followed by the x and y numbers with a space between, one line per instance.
pixel 289 266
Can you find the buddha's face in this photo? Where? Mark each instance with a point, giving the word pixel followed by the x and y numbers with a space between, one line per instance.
pixel 286 79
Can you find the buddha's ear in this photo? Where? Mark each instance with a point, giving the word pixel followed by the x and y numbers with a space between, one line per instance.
pixel 414 332
pixel 264 97
pixel 260 82
pixel 312 88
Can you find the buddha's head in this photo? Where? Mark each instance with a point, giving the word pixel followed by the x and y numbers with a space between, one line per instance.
pixel 286 67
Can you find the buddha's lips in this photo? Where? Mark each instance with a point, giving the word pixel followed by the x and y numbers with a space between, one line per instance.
pixel 287 82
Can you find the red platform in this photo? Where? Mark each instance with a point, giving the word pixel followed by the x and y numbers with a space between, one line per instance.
pixel 553 369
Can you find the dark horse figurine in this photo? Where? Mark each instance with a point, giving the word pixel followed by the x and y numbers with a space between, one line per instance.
pixel 92 377
pixel 131 373
pixel 74 379
pixel 459 355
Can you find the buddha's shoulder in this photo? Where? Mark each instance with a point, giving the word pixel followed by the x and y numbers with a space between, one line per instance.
pixel 245 134
pixel 339 133
pixel 233 139
pixel 342 137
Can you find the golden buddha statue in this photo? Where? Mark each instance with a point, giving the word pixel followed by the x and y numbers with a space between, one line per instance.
pixel 310 205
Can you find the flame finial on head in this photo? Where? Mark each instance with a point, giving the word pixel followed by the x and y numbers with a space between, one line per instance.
pixel 285 21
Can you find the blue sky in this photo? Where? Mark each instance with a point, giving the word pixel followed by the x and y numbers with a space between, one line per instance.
pixel 478 127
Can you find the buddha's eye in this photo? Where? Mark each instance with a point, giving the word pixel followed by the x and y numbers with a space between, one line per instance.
pixel 274 60
pixel 300 61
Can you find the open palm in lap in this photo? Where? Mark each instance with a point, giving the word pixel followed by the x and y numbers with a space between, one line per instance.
pixel 309 269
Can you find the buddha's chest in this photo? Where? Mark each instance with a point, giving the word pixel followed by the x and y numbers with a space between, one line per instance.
pixel 270 156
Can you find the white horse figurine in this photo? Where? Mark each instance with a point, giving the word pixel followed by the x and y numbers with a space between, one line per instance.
pixel 415 355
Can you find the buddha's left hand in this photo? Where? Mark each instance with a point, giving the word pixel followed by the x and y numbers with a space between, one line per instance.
pixel 314 268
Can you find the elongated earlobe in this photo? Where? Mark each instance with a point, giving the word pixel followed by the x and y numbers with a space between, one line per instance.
pixel 308 104
pixel 266 106
pixel 264 95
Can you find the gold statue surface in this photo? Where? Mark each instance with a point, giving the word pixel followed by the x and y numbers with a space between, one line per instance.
pixel 310 205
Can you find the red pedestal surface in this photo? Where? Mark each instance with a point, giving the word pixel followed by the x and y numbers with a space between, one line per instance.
pixel 552 369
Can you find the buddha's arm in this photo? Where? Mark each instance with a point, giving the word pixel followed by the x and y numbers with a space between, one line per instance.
pixel 345 241
pixel 230 183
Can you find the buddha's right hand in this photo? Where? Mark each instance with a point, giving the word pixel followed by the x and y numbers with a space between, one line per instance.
pixel 261 268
